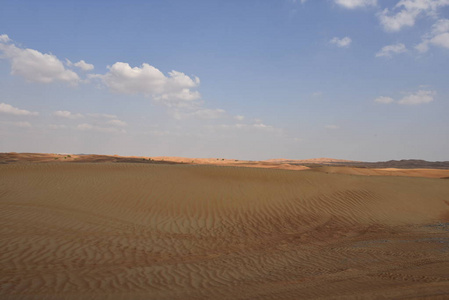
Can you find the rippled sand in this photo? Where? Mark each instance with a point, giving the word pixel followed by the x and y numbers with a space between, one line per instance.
pixel 154 231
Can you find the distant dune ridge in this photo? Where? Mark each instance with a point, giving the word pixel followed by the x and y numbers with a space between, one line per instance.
pixel 411 168
pixel 169 230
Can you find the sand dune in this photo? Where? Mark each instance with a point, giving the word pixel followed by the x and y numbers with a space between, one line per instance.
pixel 154 231
pixel 321 160
pixel 410 168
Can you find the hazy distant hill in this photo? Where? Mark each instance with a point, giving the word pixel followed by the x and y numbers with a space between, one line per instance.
pixel 400 164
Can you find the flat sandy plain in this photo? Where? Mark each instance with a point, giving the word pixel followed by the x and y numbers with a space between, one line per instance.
pixel 113 228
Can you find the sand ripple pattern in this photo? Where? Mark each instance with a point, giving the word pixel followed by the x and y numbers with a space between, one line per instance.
pixel 142 231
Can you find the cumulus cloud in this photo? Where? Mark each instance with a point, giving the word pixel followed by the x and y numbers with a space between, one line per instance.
pixel 405 13
pixel 209 113
pixel 262 126
pixel 11 110
pixel 4 38
pixel 36 66
pixel 342 43
pixel 294 1
pixel 397 21
pixel 98 115
pixel 57 126
pixel 351 4
pixel 256 126
pixel 441 40
pixel 439 36
pixel 420 97
pixel 118 123
pixel 199 113
pixel 90 127
pixel 390 50
pixel 81 64
pixel 384 100
pixel 174 90
pixel 67 114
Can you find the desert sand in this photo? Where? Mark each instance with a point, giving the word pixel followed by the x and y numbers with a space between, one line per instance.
pixel 159 230
pixel 409 168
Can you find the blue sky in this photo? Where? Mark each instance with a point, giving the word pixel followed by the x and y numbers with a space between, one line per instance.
pixel 352 79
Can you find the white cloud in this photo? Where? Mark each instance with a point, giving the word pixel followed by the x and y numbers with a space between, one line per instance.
pixel 317 94
pixel 36 66
pixel 390 50
pixel 181 98
pixel 11 110
pixel 90 127
pixel 342 43
pixel 4 38
pixel 405 13
pixel 259 126
pixel 419 97
pixel 98 115
pixel 332 127
pixel 441 26
pixel 441 40
pixel 202 113
pixel 67 114
pixel 399 20
pixel 423 46
pixel 439 36
pixel 174 90
pixel 81 64
pixel 384 100
pixel 57 126
pixel 294 1
pixel 262 126
pixel 239 118
pixel 209 113
pixel 119 123
pixel 351 4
